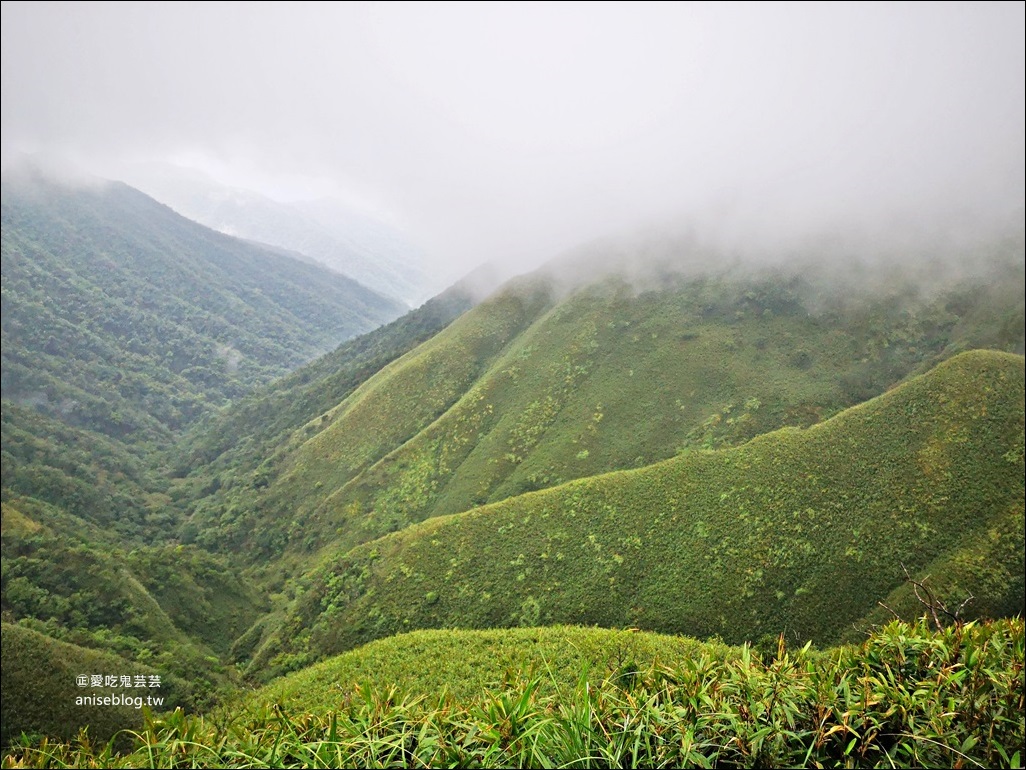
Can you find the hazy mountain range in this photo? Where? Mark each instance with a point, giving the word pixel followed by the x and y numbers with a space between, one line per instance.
pixel 354 244
pixel 649 437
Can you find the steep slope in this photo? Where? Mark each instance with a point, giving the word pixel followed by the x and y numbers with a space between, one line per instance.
pixel 122 324
pixel 251 430
pixel 537 386
pixel 122 317
pixel 39 689
pixel 355 245
pixel 177 609
pixel 798 531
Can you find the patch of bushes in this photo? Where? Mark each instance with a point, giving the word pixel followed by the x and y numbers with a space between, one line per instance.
pixel 906 697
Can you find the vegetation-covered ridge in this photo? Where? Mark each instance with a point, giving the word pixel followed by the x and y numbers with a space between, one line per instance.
pixel 797 531
pixel 124 318
pixel 587 452
pixel 39 686
pixel 372 253
pixel 223 461
pixel 905 697
pixel 123 323
pixel 173 608
pixel 533 388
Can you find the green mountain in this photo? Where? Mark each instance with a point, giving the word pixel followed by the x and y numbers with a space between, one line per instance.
pixel 250 431
pixel 665 444
pixel 126 319
pixel 375 254
pixel 539 385
pixel 797 531
pixel 123 324
pixel 39 686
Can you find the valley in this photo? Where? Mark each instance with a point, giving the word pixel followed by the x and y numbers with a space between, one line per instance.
pixel 230 469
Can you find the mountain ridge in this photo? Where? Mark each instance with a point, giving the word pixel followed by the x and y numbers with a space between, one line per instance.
pixel 343 240
pixel 591 380
pixel 493 570
pixel 134 277
pixel 657 447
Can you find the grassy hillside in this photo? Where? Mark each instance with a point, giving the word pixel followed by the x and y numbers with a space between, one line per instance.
pixel 905 697
pixel 686 452
pixel 464 663
pixel 39 689
pixel 406 395
pixel 533 388
pixel 221 462
pixel 797 531
pixel 174 609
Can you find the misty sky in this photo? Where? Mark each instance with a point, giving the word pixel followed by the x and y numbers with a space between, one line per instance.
pixel 512 132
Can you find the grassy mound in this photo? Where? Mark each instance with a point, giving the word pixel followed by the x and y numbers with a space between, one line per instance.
pixel 41 695
pixel 906 697
pixel 462 664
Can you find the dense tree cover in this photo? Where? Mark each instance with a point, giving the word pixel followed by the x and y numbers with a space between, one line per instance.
pixel 124 318
pixel 96 479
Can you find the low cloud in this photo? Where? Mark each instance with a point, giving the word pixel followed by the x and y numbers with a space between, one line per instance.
pixel 510 133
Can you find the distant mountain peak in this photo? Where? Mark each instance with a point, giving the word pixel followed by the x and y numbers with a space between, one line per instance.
pixel 350 242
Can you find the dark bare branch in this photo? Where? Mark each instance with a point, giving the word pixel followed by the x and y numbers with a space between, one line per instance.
pixel 935 606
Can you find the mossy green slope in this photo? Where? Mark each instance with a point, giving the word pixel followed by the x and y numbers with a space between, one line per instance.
pixel 40 688
pixel 797 531
pixel 530 390
pixel 908 696
pixel 250 431
pixel 465 663
pixel 174 608
pixel 393 401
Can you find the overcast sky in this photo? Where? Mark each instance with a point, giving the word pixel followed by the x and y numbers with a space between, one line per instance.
pixel 514 131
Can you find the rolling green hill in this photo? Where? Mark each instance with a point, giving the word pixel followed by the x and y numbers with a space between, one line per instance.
pixel 907 696
pixel 535 387
pixel 219 460
pixel 731 452
pixel 796 531
pixel 464 663
pixel 40 689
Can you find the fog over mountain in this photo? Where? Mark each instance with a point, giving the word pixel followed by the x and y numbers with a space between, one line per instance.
pixel 511 133
pixel 338 236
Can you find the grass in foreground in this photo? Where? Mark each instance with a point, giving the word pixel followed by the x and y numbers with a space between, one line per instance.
pixel 907 697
